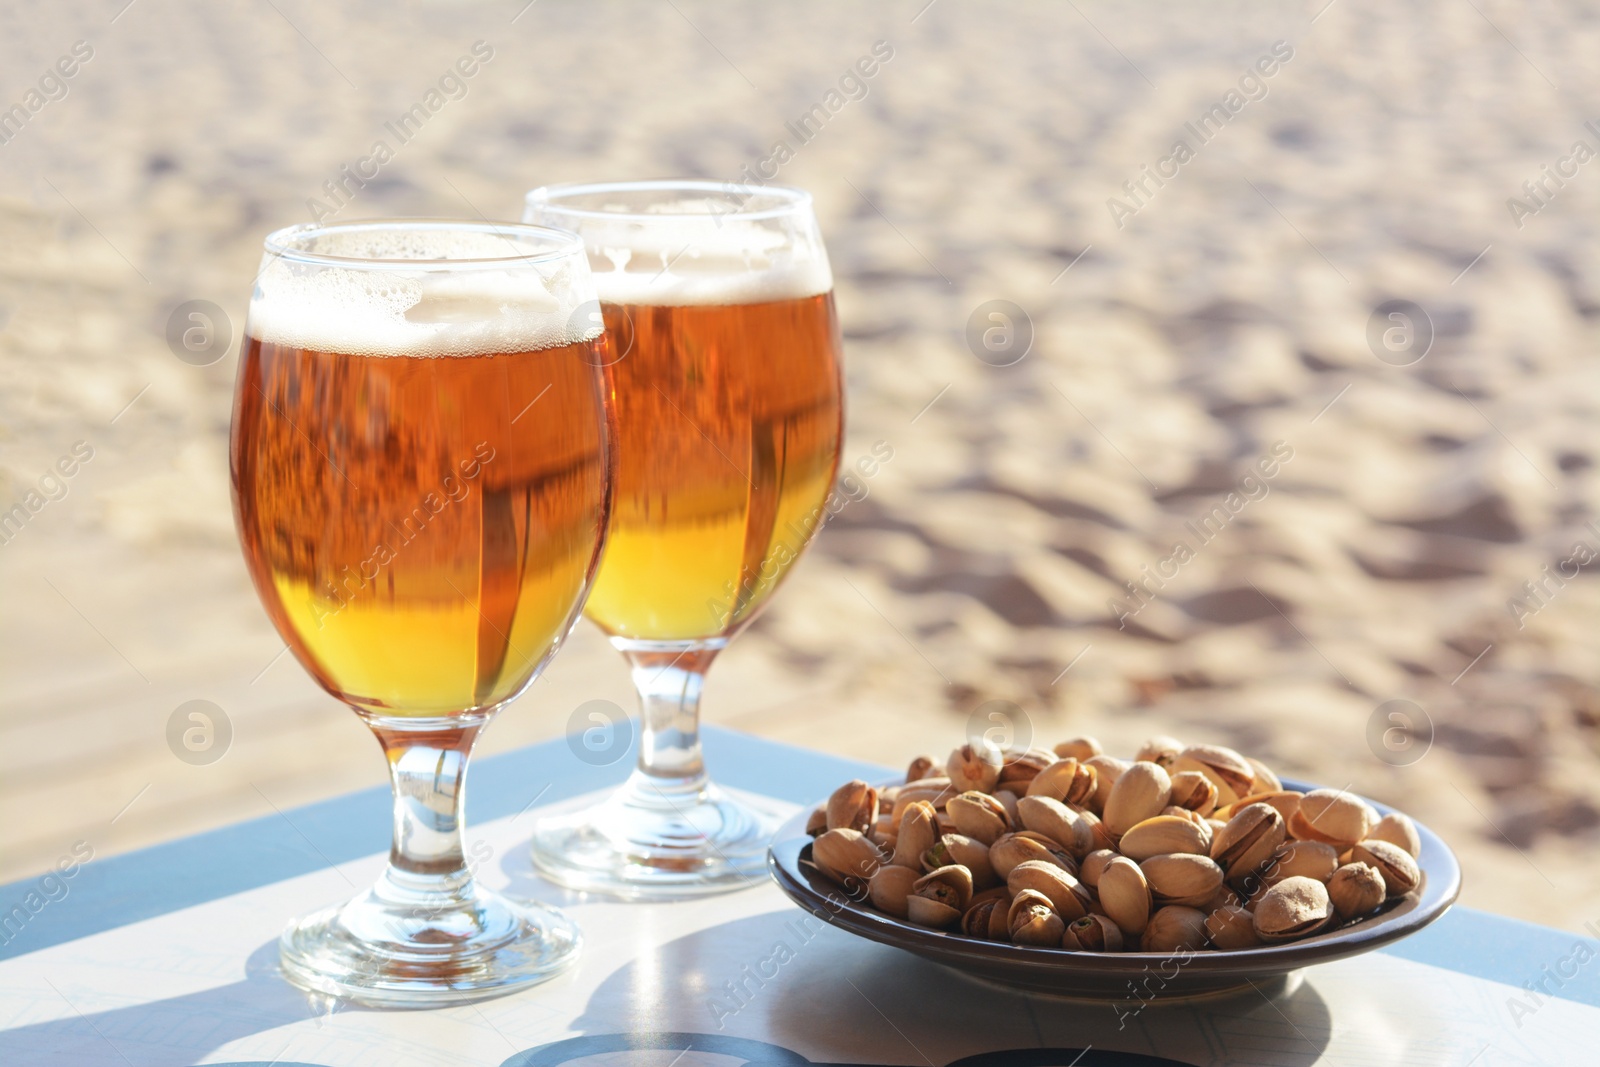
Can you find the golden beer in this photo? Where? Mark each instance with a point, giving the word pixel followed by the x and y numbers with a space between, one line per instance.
pixel 419 528
pixel 728 427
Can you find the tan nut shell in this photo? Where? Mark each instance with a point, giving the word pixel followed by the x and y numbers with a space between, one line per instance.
pixel 936 790
pixel 1018 767
pixel 1107 769
pixel 1159 749
pixel 1059 823
pixel 853 806
pixel 1230 772
pixel 1194 791
pixel 1295 907
pixel 1141 791
pixel 1309 859
pixel 1266 781
pixel 1013 849
pixel 1093 865
pixel 1398 829
pixel 889 887
pixel 920 768
pixel 1231 926
pixel 919 829
pixel 1332 816
pixel 1182 878
pixel 846 854
pixel 966 851
pixel 1079 748
pixel 974 767
pixel 1174 927
pixel 1065 780
pixel 1065 893
pixel 978 920
pixel 1287 801
pixel 1162 834
pixel 978 815
pixel 1031 920
pixel 1248 841
pixel 1400 872
pixel 1125 895
pixel 1092 933
pixel 1356 889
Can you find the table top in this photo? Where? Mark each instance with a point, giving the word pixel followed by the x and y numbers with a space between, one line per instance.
pixel 168 956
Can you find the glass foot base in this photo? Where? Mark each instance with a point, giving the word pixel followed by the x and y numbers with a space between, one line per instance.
pixel 639 846
pixel 384 952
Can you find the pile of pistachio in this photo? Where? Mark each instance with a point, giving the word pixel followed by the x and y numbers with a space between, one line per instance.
pixel 1184 847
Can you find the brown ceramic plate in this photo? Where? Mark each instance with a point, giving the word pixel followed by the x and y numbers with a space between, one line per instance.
pixel 1120 974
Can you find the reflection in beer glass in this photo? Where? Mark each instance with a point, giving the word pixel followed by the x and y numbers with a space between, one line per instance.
pixel 728 400
pixel 422 536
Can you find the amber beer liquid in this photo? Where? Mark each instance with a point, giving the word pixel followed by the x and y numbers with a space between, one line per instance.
pixel 420 526
pixel 729 419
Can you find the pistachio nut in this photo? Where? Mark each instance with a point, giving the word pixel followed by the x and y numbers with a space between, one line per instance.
pixel 1065 780
pixel 889 887
pixel 920 768
pixel 935 789
pixel 1141 791
pixel 1266 781
pixel 1398 829
pixel 1356 889
pixel 818 822
pixel 1093 864
pixel 1159 749
pixel 977 919
pixel 917 834
pixel 1066 894
pixel 1287 801
pixel 1008 800
pixel 1078 748
pixel 1230 926
pixel 846 856
pixel 978 815
pixel 1032 921
pixel 1400 872
pixel 1248 841
pixel 1058 822
pixel 853 806
pixel 1295 907
pixel 1332 816
pixel 1230 772
pixel 969 852
pixel 1125 895
pixel 974 767
pixel 1308 859
pixel 1194 791
pixel 1099 837
pixel 939 897
pixel 1224 897
pixel 1182 878
pixel 1092 933
pixel 1107 769
pixel 1025 845
pixel 1161 834
pixel 1174 927
pixel 1019 766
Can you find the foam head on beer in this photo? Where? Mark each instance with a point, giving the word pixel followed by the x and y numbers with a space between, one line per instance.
pixel 411 310
pixel 696 251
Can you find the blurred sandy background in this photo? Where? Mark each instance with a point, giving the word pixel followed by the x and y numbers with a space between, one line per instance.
pixel 1229 312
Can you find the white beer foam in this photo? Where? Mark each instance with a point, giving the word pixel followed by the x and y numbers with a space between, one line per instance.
pixel 692 255
pixel 471 311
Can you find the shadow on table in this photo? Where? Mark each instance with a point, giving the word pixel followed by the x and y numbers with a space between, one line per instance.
pixel 731 991
pixel 190 1026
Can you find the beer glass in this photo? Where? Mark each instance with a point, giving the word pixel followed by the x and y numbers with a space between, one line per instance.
pixel 421 480
pixel 726 384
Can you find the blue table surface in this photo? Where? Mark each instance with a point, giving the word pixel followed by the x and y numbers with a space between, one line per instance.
pixel 111 892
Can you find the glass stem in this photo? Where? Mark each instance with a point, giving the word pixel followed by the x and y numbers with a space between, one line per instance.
pixel 427 769
pixel 671 770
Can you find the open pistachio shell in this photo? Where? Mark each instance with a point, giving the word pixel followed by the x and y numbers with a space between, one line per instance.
pixel 890 887
pixel 1141 791
pixel 978 815
pixel 1398 829
pixel 853 806
pixel 1230 772
pixel 1295 907
pixel 919 829
pixel 1162 834
pixel 1125 895
pixel 1092 933
pixel 1174 927
pixel 1331 816
pixel 1230 926
pixel 1033 921
pixel 846 856
pixel 1400 872
pixel 1065 893
pixel 974 767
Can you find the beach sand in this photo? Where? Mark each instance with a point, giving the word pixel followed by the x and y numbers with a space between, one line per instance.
pixel 1181 334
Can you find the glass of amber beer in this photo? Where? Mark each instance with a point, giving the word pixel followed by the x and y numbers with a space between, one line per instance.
pixel 421 481
pixel 724 350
